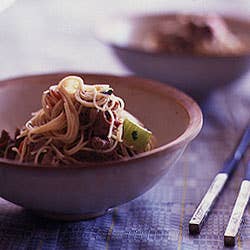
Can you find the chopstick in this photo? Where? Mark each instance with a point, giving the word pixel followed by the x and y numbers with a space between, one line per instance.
pixel 202 211
pixel 238 210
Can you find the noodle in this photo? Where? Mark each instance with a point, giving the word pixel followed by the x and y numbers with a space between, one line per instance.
pixel 77 122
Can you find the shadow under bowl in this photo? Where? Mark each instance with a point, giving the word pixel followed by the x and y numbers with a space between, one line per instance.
pixel 89 189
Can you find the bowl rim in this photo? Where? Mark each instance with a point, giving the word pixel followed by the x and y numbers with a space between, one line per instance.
pixel 188 104
pixel 129 17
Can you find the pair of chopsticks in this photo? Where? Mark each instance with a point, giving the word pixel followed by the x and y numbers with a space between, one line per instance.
pixel 201 213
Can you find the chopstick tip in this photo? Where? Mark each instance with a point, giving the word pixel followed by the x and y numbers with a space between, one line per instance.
pixel 194 228
pixel 229 241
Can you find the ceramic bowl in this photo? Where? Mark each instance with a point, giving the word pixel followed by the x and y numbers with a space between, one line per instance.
pixel 90 189
pixel 195 74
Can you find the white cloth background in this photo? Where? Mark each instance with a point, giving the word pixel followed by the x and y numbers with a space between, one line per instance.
pixel 39 36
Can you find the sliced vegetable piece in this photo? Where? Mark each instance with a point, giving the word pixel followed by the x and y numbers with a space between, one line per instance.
pixel 70 84
pixel 135 136
pixel 126 115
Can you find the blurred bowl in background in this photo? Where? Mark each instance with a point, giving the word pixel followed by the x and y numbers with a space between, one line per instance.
pixel 196 74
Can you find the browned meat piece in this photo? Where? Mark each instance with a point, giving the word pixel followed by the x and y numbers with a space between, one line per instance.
pixel 93 113
pixel 4 141
pixel 88 115
pixel 101 126
pixel 84 116
pixel 100 144
pixel 9 153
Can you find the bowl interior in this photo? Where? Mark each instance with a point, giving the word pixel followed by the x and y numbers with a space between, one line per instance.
pixel 154 104
pixel 130 31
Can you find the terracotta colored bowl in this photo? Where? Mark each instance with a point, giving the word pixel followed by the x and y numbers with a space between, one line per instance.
pixel 195 74
pixel 88 190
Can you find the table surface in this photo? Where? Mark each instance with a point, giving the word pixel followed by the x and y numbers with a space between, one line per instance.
pixel 47 36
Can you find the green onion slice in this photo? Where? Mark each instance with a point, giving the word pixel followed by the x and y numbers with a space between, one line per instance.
pixel 135 136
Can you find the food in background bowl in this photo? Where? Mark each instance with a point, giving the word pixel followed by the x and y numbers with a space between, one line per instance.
pixel 139 41
pixel 205 35
pixel 78 122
